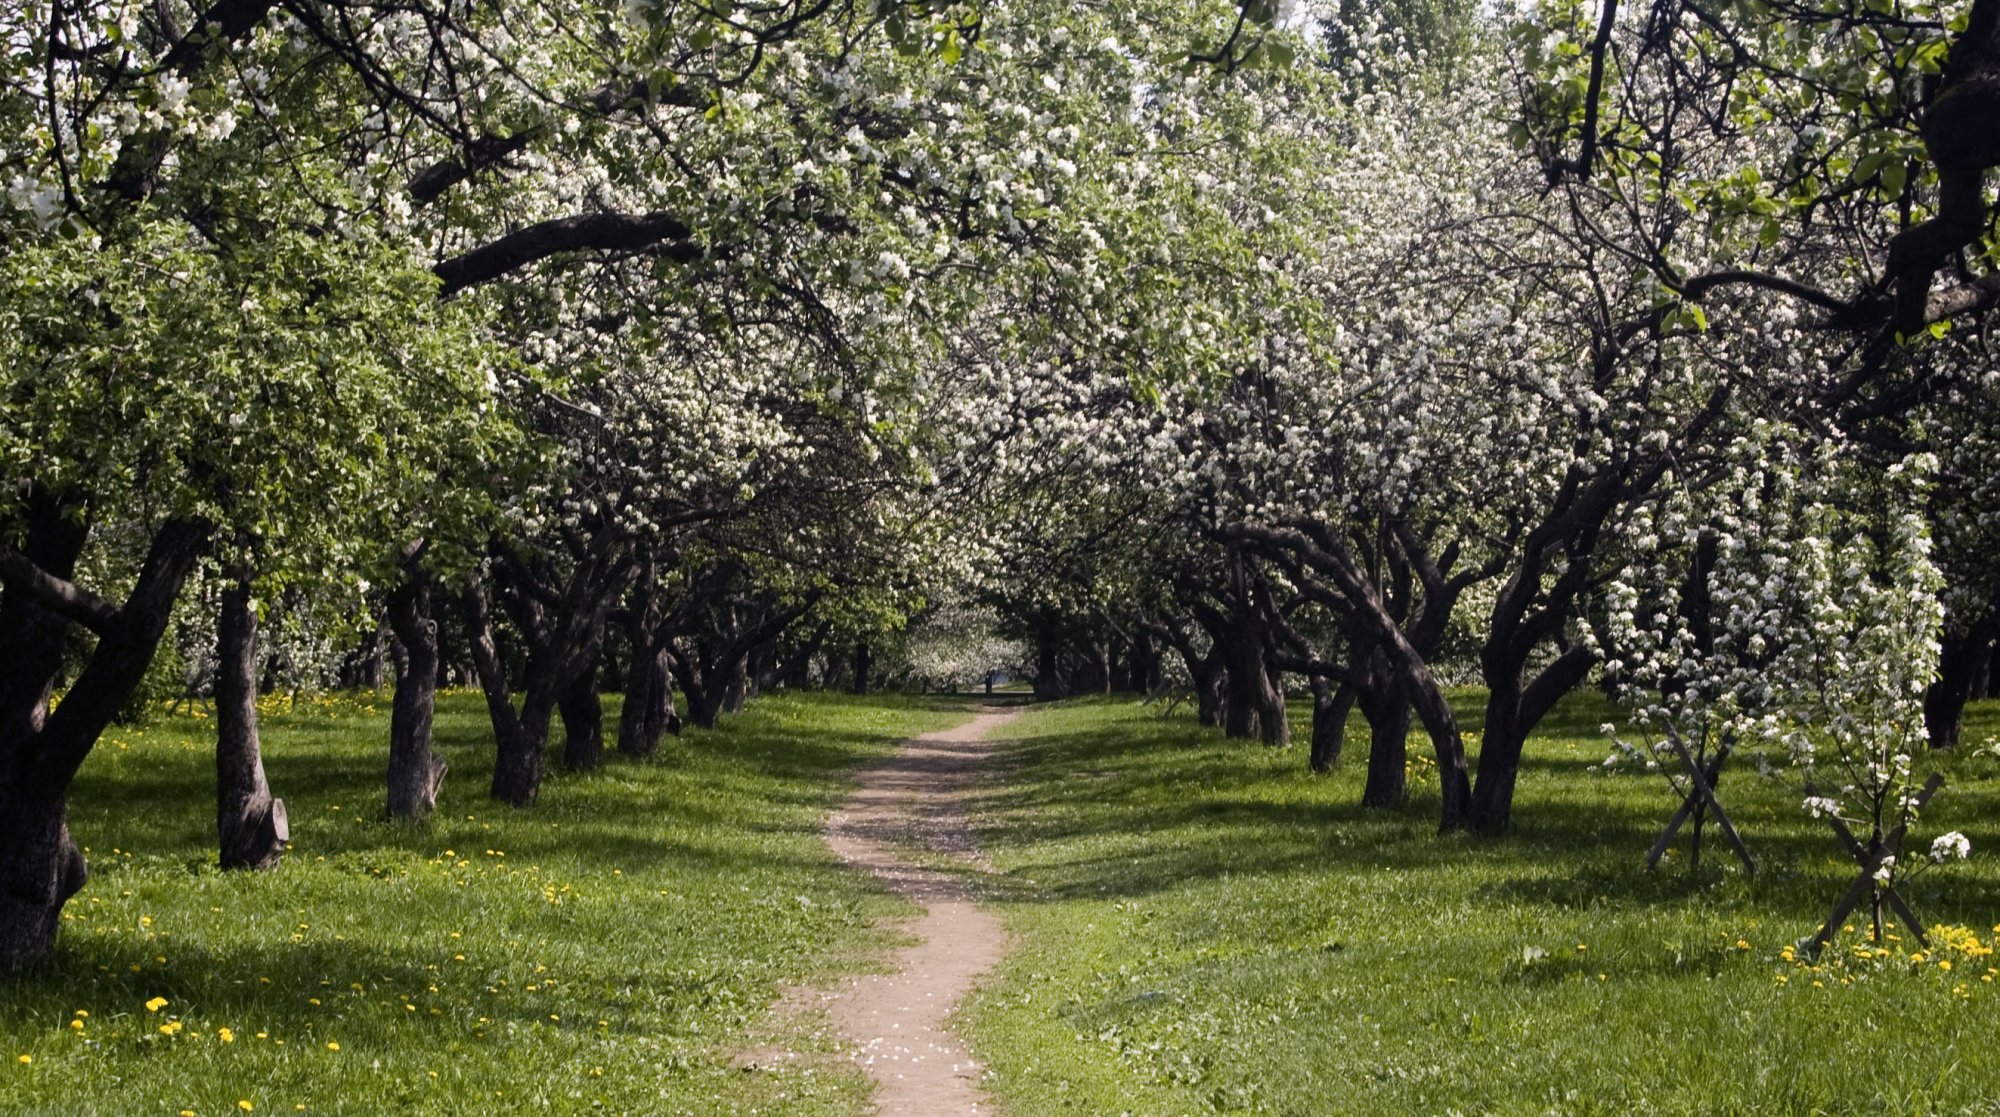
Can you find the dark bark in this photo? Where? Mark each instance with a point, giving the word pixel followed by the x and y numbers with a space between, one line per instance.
pixel 31 633
pixel 40 869
pixel 416 771
pixel 590 231
pixel 1144 661
pixel 649 705
pixel 1529 611
pixel 649 687
pixel 1331 706
pixel 1386 705
pixel 518 738
pixel 1965 660
pixel 1962 141
pixel 704 701
pixel 864 661
pixel 41 749
pixel 797 670
pixel 714 673
pixel 250 823
pixel 1512 712
pixel 1048 670
pixel 1403 666
pixel 736 683
pixel 766 669
pixel 1255 707
pixel 582 711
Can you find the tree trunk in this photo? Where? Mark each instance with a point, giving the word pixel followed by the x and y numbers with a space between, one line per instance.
pixel 1048 671
pixel 582 712
pixel 251 823
pixel 1964 660
pixel 1387 709
pixel 1331 706
pixel 705 705
pixel 1512 712
pixel 1240 708
pixel 863 661
pixel 1255 706
pixel 649 697
pixel 42 748
pixel 518 738
pixel 416 771
pixel 1211 700
pixel 40 869
pixel 736 687
pixel 518 763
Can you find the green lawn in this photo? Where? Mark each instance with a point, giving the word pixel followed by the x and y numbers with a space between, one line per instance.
pixel 1201 927
pixel 609 949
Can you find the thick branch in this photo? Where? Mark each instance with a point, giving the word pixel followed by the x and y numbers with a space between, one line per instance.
pixel 599 231
pixel 59 595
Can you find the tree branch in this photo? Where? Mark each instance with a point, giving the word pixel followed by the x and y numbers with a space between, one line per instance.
pixel 20 574
pixel 600 231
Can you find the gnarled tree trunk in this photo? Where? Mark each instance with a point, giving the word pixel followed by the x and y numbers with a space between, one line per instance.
pixel 582 712
pixel 649 703
pixel 416 771
pixel 518 738
pixel 40 748
pixel 250 823
pixel 1387 707
pixel 1331 706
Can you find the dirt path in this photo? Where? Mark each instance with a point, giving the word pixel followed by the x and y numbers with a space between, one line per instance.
pixel 896 1020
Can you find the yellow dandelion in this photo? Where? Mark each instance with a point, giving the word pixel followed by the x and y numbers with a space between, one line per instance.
pixel 76 1025
pixel 1945 965
pixel 25 1060
pixel 156 1004
pixel 333 1047
pixel 245 1105
pixel 225 1035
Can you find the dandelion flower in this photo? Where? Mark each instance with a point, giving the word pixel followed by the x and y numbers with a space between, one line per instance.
pixel 25 1060
pixel 156 1004
pixel 333 1047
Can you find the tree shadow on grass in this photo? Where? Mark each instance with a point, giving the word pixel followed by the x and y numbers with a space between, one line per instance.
pixel 1133 807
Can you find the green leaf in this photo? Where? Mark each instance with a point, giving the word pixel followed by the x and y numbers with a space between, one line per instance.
pixel 1895 174
pixel 1870 163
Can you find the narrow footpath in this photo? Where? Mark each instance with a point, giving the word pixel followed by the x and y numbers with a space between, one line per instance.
pixel 896 1021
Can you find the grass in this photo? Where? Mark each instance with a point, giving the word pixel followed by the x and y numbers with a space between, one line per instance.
pixel 608 950
pixel 1198 927
pixel 1201 927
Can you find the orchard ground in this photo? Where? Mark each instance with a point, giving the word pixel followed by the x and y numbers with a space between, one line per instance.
pixel 1197 926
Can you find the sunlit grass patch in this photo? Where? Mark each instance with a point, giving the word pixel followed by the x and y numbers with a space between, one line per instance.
pixel 1202 927
pixel 608 949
